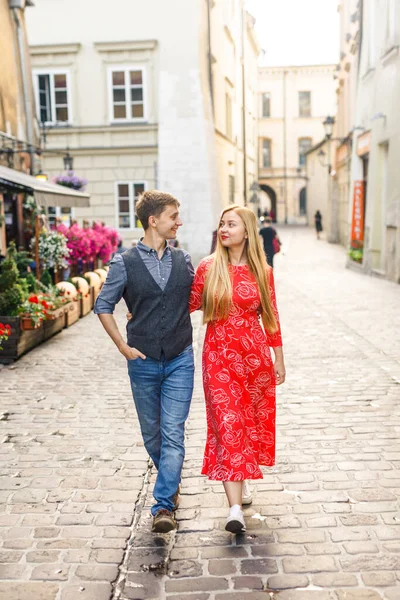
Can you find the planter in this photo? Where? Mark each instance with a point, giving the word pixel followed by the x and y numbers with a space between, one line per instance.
pixel 86 303
pixel 27 324
pixel 72 313
pixel 55 324
pixel 20 340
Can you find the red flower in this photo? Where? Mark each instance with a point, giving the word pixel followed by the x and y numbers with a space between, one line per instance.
pixel 34 299
pixel 44 304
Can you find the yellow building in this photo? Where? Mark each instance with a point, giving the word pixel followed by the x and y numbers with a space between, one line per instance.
pixel 293 103
pixel 17 134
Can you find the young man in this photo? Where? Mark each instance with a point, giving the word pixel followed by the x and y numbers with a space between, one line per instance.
pixel 155 280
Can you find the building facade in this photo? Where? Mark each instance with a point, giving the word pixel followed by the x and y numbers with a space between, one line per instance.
pixel 18 136
pixel 136 110
pixel 374 214
pixel 347 76
pixel 293 103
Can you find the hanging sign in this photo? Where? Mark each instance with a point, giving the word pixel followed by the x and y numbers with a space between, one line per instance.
pixel 357 221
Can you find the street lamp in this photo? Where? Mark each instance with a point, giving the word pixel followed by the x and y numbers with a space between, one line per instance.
pixel 328 126
pixel 68 162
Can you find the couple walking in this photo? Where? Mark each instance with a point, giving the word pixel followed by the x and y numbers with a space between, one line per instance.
pixel 235 289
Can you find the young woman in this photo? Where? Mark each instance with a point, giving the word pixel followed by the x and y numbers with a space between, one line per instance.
pixel 235 289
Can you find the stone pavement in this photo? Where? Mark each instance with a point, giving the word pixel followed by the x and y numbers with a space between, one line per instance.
pixel 325 522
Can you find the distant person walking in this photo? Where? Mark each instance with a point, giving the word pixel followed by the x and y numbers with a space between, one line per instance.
pixel 270 240
pixel 318 223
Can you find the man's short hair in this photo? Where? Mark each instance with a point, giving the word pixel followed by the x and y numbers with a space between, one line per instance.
pixel 267 220
pixel 152 203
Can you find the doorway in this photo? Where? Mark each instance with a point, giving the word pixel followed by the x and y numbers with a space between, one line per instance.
pixel 272 196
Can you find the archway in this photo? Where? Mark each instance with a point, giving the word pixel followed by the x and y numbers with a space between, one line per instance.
pixel 303 202
pixel 272 196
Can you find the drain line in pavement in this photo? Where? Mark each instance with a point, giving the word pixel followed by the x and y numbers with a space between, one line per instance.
pixel 140 502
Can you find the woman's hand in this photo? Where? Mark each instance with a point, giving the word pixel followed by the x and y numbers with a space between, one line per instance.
pixel 279 366
pixel 128 316
pixel 280 371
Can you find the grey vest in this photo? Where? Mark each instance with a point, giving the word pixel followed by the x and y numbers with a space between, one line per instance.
pixel 160 319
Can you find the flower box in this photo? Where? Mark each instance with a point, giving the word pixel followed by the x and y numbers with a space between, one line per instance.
pixel 20 340
pixel 72 312
pixel 86 303
pixel 55 324
pixel 27 323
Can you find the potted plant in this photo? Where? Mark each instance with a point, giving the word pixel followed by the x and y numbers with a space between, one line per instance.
pixel 13 295
pixel 33 312
pixel 356 251
pixel 70 180
pixel 53 250
pixel 5 332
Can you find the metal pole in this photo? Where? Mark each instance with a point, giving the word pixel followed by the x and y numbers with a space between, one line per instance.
pixel 285 144
pixel 37 229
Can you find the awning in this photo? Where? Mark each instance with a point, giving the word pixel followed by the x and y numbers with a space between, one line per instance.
pixel 45 193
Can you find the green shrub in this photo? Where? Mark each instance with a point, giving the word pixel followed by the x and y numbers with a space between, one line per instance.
pixel 31 283
pixel 12 293
pixel 46 278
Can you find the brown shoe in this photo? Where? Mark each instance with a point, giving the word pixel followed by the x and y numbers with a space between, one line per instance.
pixel 163 521
pixel 177 498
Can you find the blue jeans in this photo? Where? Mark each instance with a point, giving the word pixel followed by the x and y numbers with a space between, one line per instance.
pixel 162 391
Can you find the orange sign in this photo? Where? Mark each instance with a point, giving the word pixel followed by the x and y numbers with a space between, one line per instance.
pixel 357 222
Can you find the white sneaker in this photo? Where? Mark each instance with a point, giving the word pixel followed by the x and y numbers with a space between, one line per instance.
pixel 235 523
pixel 247 498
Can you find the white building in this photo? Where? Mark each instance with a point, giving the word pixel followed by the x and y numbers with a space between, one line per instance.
pixel 374 165
pixel 126 88
pixel 293 103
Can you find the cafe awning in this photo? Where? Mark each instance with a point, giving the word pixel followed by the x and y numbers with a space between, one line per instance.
pixel 45 193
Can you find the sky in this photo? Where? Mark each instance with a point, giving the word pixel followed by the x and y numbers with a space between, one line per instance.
pixel 297 32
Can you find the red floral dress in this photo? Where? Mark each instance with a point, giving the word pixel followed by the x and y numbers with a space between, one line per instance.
pixel 239 381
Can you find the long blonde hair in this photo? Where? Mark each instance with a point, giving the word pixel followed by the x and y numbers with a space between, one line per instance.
pixel 217 293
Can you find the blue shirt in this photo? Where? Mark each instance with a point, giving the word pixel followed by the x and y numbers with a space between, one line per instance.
pixel 114 286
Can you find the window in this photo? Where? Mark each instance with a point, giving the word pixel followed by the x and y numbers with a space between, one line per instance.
pixel 59 213
pixel 52 97
pixel 127 94
pixel 266 105
pixel 304 104
pixel 304 145
pixel 266 153
pixel 228 106
pixel 127 193
pixel 231 189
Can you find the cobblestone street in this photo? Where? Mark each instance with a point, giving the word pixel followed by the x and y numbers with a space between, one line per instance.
pixel 325 521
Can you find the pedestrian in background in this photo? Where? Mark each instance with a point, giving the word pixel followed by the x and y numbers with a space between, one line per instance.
pixel 270 239
pixel 318 223
pixel 235 289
